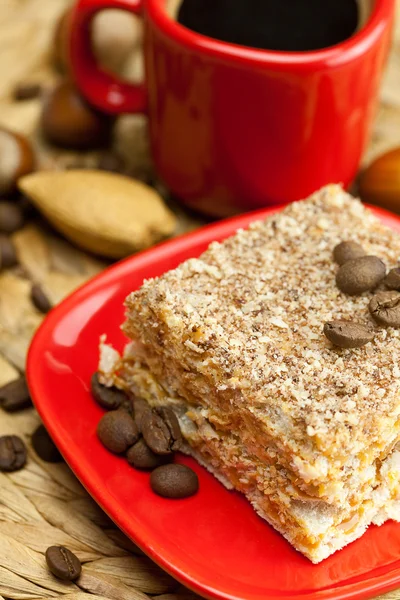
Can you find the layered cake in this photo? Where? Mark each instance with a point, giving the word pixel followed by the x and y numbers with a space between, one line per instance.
pixel 233 342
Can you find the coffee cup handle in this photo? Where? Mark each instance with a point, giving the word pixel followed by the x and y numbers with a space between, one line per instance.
pixel 103 90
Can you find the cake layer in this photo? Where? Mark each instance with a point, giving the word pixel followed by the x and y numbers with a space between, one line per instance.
pixel 155 380
pixel 239 330
pixel 312 526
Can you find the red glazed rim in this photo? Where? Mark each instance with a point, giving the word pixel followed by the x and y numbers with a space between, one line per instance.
pixel 339 54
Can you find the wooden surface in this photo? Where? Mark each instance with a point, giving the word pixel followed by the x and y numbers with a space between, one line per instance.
pixel 44 504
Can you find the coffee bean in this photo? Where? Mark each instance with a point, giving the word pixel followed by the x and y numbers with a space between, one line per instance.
pixel 140 407
pixel 15 395
pixel 109 161
pixel 44 446
pixel 8 256
pixel 141 457
pixel 11 217
pixel 39 299
pixel 392 279
pixel 109 398
pixel 385 308
pixel 12 453
pixel 27 91
pixel 360 275
pixel 156 433
pixel 174 481
pixel 347 334
pixel 171 421
pixel 63 563
pixel 347 251
pixel 117 431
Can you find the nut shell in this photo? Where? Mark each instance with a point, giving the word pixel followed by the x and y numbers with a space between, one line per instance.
pixel 70 122
pixel 16 159
pixel 380 182
pixel 102 212
pixel 60 43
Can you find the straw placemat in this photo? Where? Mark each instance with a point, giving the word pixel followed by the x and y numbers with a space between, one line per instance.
pixel 44 504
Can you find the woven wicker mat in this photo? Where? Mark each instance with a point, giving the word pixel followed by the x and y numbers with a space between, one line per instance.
pixel 44 504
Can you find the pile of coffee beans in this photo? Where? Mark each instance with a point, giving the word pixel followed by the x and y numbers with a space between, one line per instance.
pixel 359 273
pixel 147 437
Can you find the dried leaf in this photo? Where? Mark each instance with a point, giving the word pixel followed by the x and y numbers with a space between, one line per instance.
pixel 39 536
pixel 62 475
pixel 185 595
pixel 181 596
pixel 88 507
pixel 7 372
pixel 60 515
pixel 21 423
pixel 14 586
pixel 33 251
pixel 19 559
pixel 80 596
pixel 13 498
pixel 70 260
pixel 123 541
pixel 107 586
pixel 58 286
pixel 15 346
pixel 15 304
pixel 140 573
pixel 6 514
pixel 35 479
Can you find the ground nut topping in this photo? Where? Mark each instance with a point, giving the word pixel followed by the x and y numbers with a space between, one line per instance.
pixel 258 328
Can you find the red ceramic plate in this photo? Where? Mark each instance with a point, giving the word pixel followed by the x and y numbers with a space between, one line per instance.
pixel 213 542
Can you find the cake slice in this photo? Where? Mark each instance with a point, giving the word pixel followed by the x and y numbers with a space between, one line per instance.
pixel 233 342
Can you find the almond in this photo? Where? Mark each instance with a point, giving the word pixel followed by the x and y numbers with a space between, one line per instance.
pixel 102 212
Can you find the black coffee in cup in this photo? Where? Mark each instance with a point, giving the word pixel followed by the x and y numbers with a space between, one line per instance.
pixel 291 25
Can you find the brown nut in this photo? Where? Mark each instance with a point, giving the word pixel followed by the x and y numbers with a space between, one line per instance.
pixel 16 159
pixel 11 217
pixel 70 122
pixel 8 255
pixel 60 42
pixel 380 182
pixel 115 34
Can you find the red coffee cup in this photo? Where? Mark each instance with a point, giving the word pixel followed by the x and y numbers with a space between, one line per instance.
pixel 234 128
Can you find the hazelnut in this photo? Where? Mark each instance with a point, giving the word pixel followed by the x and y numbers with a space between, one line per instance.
pixel 60 41
pixel 115 34
pixel 16 159
pixel 380 182
pixel 11 217
pixel 69 121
